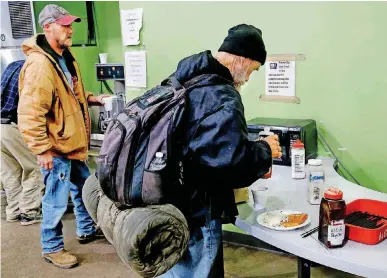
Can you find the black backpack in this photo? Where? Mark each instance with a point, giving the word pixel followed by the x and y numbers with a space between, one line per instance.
pixel 140 158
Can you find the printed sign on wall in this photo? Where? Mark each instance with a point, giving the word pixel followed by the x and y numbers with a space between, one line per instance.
pixel 280 77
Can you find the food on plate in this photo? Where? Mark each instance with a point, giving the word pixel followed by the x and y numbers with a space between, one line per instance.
pixel 274 219
pixel 278 219
pixel 294 220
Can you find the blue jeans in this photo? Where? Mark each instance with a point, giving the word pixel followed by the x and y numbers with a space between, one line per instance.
pixel 204 256
pixel 65 176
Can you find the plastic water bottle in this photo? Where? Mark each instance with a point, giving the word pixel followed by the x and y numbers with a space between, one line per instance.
pixel 158 162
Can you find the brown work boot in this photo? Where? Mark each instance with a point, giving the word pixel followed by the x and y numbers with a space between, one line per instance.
pixel 61 259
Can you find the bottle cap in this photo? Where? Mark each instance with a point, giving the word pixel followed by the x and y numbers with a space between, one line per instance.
pixel 315 162
pixel 266 131
pixel 159 154
pixel 298 144
pixel 333 193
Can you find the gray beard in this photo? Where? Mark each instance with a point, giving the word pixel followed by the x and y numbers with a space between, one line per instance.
pixel 239 80
pixel 238 86
pixel 61 46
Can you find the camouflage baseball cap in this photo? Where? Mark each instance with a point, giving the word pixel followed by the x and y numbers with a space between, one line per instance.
pixel 54 13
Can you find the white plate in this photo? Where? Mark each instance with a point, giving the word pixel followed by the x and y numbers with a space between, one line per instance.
pixel 263 218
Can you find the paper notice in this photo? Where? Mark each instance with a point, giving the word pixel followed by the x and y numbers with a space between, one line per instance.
pixel 135 69
pixel 131 23
pixel 280 77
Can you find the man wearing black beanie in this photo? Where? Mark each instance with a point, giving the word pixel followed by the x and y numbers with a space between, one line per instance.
pixel 245 41
pixel 217 155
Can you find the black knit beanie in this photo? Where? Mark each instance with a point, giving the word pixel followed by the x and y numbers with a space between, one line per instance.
pixel 246 41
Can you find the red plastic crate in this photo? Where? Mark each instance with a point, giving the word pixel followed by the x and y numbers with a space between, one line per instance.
pixel 364 235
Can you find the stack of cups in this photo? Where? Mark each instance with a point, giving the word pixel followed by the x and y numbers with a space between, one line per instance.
pixel 103 58
pixel 109 103
pixel 259 197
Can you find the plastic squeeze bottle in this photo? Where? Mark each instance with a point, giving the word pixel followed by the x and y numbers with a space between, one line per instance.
pixel 298 160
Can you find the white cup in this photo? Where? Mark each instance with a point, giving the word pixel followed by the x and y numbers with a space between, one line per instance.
pixel 103 58
pixel 109 103
pixel 259 197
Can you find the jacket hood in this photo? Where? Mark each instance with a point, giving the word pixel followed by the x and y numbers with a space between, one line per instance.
pixel 203 63
pixel 31 45
pixel 38 43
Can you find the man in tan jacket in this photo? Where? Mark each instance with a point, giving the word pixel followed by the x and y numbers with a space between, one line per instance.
pixel 54 121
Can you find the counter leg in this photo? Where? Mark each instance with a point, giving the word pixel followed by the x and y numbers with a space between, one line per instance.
pixel 303 268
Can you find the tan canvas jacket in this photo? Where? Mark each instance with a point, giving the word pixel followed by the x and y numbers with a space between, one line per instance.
pixel 51 116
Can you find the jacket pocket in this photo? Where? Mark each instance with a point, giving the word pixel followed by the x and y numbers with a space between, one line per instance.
pixel 74 133
pixel 69 127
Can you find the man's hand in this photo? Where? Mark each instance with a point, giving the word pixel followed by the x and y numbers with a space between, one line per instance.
pixel 276 151
pixel 45 159
pixel 97 100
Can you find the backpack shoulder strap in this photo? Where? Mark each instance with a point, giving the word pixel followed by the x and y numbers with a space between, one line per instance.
pixel 172 80
pixel 192 82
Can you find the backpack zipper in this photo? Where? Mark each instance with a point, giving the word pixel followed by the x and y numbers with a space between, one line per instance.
pixel 128 195
pixel 115 158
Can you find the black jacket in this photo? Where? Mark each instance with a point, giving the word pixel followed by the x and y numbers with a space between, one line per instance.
pixel 218 156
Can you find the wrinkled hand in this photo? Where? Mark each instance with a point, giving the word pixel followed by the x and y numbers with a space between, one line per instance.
pixel 276 151
pixel 45 160
pixel 97 100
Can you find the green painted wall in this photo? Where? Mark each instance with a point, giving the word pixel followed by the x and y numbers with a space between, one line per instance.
pixel 108 24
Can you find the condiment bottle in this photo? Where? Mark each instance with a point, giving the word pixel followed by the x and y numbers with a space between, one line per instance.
pixel 332 230
pixel 261 135
pixel 316 179
pixel 298 160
